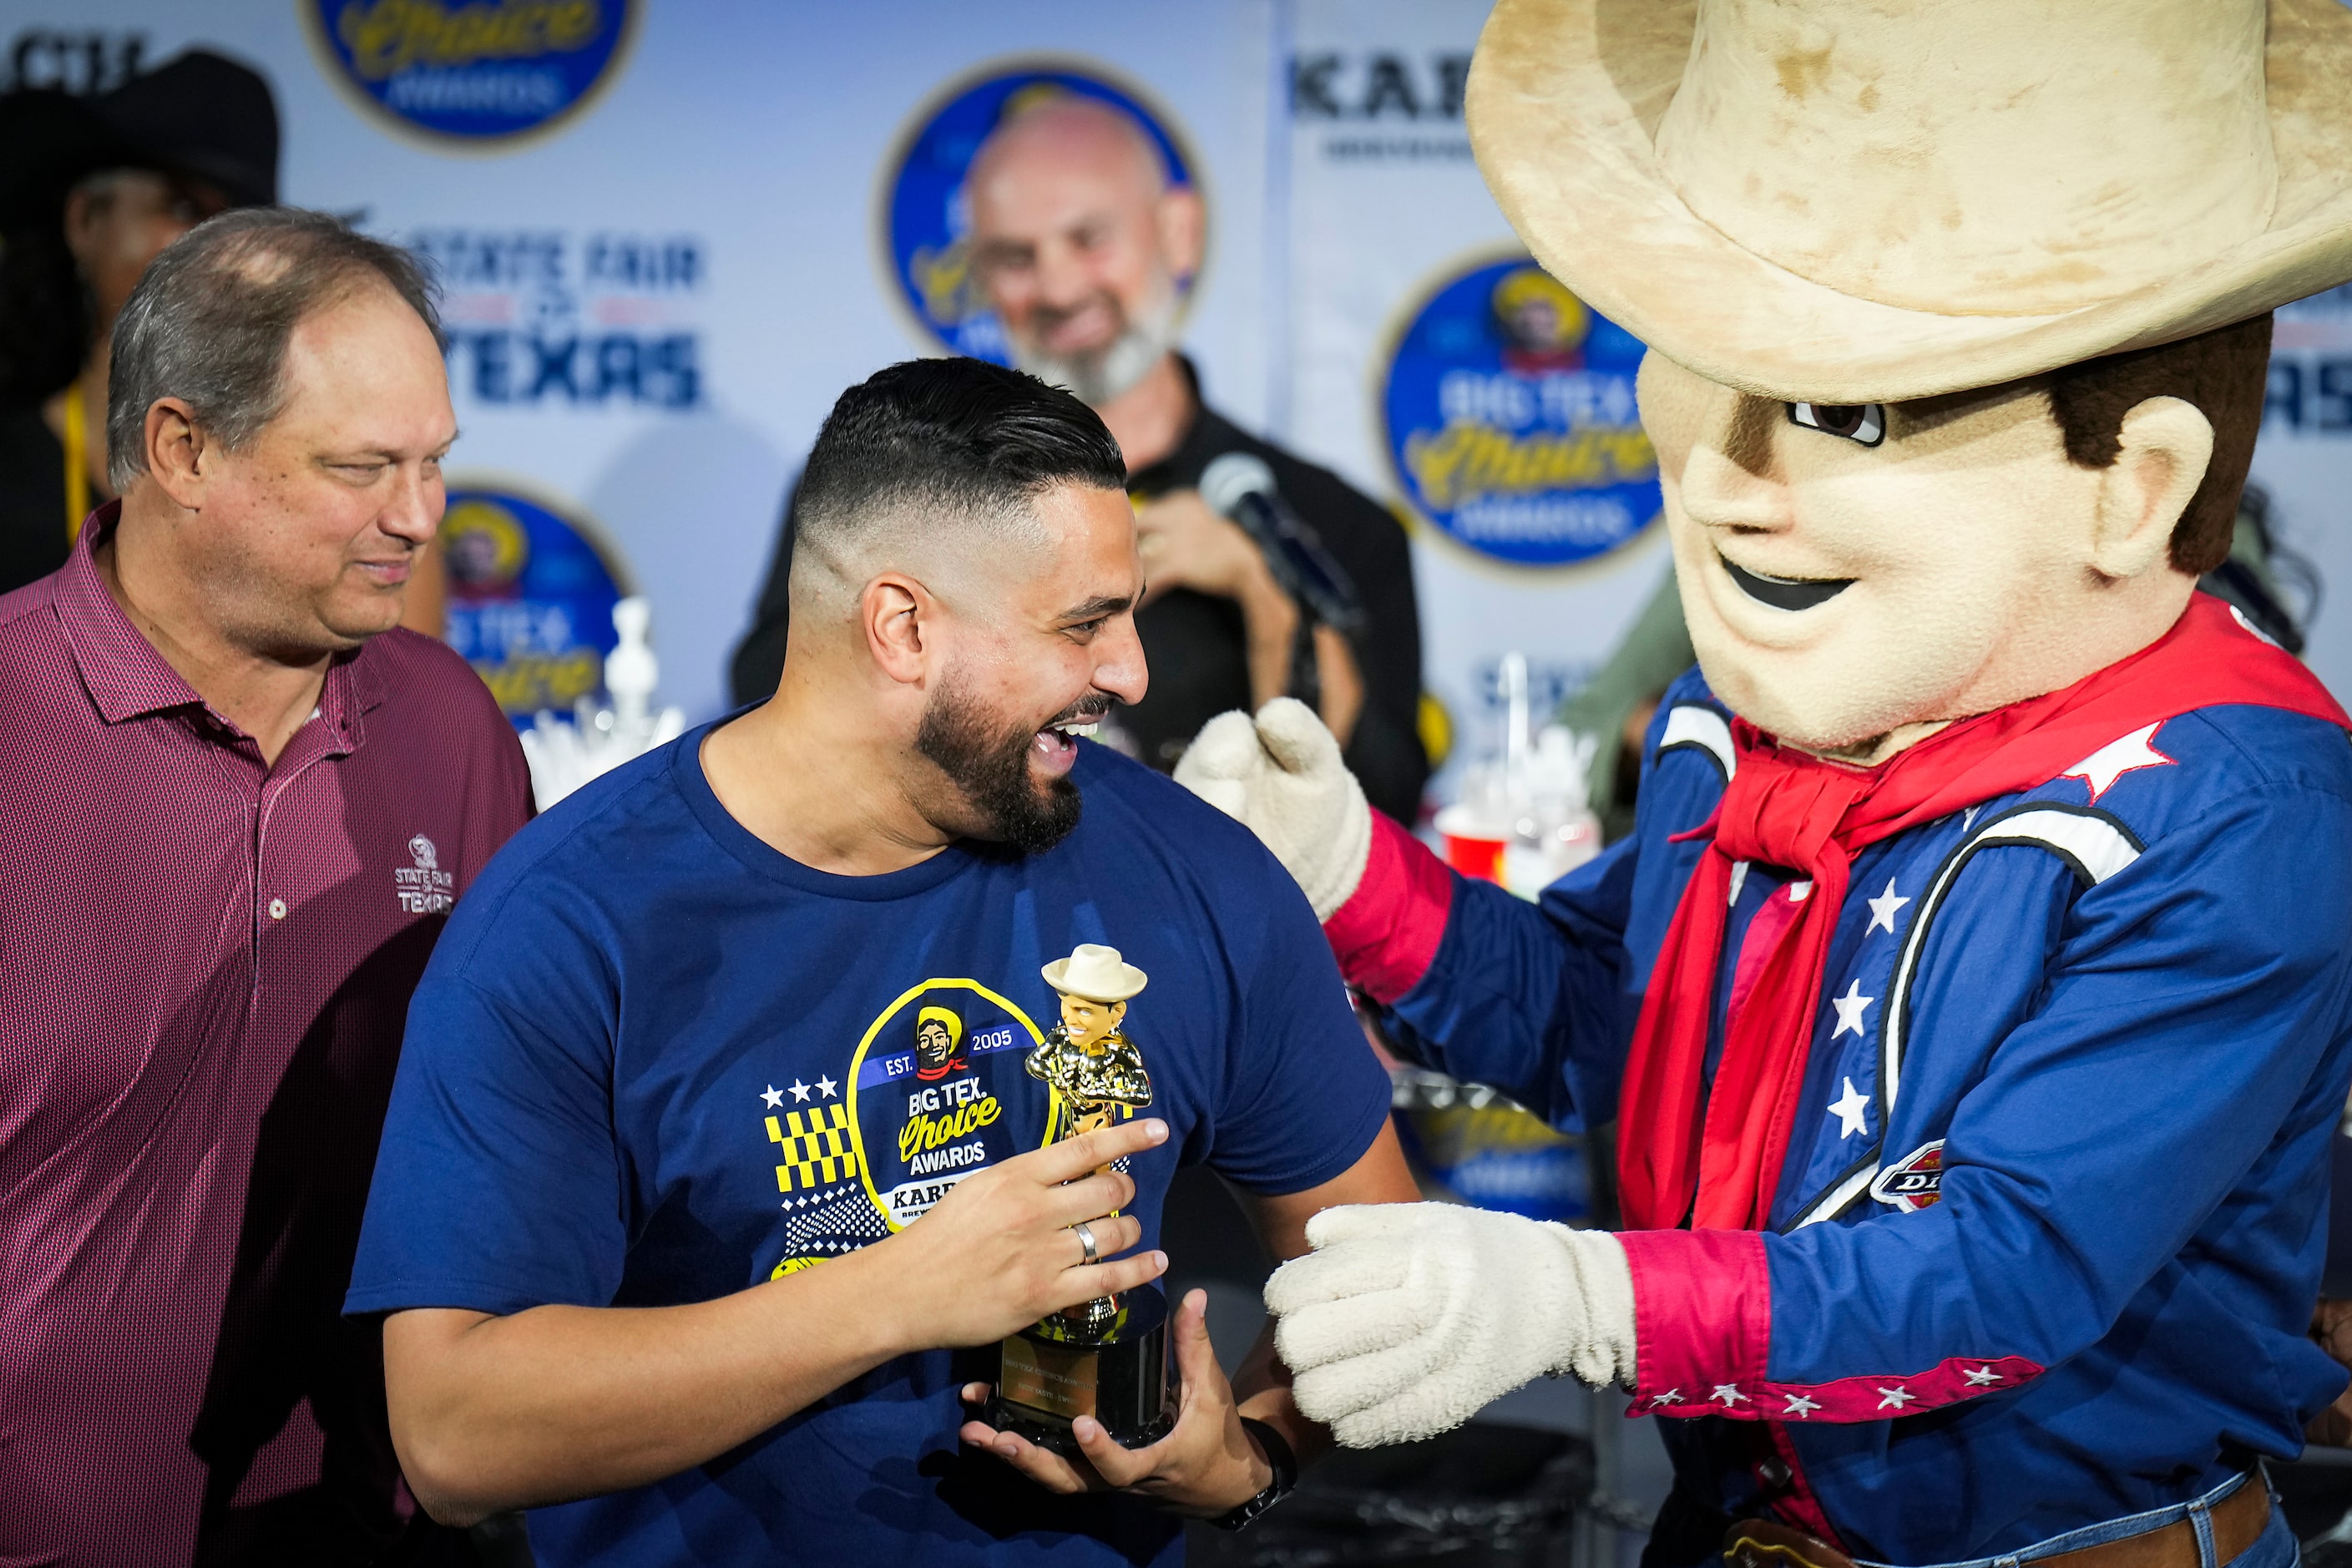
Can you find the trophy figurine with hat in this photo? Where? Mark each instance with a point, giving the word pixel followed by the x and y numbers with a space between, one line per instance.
pixel 1107 1358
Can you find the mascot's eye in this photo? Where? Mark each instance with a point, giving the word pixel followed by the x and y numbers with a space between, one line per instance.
pixel 1863 422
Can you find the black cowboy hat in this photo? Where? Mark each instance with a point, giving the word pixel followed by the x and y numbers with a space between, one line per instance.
pixel 199 117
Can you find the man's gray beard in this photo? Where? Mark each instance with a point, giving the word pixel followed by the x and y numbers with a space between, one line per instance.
pixel 1099 375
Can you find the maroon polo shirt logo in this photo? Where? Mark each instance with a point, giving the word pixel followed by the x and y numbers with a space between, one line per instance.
pixel 424 888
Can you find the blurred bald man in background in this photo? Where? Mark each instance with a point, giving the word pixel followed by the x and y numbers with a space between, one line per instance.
pixel 1087 251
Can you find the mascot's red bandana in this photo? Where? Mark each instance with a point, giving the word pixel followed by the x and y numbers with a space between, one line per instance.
pixel 1784 808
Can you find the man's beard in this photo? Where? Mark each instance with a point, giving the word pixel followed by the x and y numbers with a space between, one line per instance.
pixel 1096 376
pixel 990 768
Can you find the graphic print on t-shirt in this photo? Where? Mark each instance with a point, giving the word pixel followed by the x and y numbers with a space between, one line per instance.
pixel 934 1092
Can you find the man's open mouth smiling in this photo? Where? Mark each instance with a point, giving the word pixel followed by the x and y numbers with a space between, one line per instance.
pixel 1785 593
pixel 1057 745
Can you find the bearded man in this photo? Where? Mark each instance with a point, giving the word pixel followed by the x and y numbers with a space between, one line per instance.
pixel 1085 252
pixel 1974 996
pixel 665 1184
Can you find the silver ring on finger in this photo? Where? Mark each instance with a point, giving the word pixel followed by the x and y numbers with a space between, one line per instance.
pixel 1086 1236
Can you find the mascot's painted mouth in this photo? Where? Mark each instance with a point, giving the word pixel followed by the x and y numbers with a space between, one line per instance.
pixel 1785 593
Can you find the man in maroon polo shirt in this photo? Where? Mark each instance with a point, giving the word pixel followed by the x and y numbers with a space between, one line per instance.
pixel 235 804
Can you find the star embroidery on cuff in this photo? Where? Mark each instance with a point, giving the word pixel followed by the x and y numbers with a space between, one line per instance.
pixel 1671 1396
pixel 1850 1008
pixel 826 1086
pixel 2125 754
pixel 800 1090
pixel 1981 1377
pixel 1896 1398
pixel 1883 908
pixel 774 1096
pixel 1729 1395
pixel 1849 1112
pixel 1800 1405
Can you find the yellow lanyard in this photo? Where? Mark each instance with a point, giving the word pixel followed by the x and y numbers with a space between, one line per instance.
pixel 76 465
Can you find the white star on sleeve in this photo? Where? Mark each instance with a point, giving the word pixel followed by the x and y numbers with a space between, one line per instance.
pixel 1671 1396
pixel 1883 908
pixel 1850 1009
pixel 1800 1405
pixel 1895 1398
pixel 825 1087
pixel 1981 1377
pixel 774 1096
pixel 2102 767
pixel 1729 1395
pixel 1849 1113
pixel 800 1090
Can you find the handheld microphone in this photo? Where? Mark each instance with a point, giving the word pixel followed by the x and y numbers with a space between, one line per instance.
pixel 1240 486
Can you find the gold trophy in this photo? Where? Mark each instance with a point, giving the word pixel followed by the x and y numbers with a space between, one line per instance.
pixel 1107 1358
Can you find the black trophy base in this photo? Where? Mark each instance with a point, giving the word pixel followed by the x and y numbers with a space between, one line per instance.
pixel 1121 1376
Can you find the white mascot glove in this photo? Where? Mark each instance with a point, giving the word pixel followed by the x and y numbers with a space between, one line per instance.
pixel 1407 1319
pixel 1283 779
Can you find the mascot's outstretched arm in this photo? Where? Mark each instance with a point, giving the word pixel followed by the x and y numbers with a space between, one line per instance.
pixel 1534 1001
pixel 1407 1319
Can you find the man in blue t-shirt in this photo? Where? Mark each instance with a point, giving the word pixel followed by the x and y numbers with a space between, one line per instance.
pixel 706 1043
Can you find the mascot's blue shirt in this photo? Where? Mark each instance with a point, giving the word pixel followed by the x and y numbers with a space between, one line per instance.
pixel 655 1062
pixel 2051 1224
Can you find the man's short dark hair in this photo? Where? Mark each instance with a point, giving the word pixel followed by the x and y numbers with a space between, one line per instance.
pixel 209 321
pixel 2223 373
pixel 958 437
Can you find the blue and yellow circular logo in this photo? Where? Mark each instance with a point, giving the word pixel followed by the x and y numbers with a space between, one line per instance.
pixel 938 1090
pixel 530 599
pixel 926 218
pixel 1507 414
pixel 473 70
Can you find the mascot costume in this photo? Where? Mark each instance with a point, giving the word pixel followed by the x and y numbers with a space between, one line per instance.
pixel 1974 997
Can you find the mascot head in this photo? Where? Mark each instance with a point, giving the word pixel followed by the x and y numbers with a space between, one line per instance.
pixel 1959 312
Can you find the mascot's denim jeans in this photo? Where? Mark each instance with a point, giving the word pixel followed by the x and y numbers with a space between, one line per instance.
pixel 1688 1536
pixel 2274 1548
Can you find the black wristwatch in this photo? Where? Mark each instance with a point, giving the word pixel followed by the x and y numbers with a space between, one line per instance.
pixel 1280 1460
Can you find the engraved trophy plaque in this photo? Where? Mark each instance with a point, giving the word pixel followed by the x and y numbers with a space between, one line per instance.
pixel 1107 1358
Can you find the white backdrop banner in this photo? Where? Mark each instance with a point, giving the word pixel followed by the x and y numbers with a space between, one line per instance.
pixel 670 235
pixel 1431 364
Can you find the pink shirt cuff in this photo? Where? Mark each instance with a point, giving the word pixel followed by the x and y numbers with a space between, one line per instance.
pixel 1702 1339
pixel 1386 935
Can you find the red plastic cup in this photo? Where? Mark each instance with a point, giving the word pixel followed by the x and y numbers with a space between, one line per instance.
pixel 1473 846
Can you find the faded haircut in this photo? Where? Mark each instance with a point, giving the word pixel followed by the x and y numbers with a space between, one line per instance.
pixel 932 446
pixel 210 320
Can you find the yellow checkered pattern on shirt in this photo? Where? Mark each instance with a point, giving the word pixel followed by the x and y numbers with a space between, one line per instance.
pixel 817 1150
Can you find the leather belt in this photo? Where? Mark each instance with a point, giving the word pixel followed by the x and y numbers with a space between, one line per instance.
pixel 2239 1521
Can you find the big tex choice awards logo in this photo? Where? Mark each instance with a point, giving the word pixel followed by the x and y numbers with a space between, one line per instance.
pixel 531 593
pixel 472 70
pixel 1507 414
pixel 926 215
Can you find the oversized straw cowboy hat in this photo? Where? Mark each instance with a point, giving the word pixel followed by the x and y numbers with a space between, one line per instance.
pixel 1858 201
pixel 1096 973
